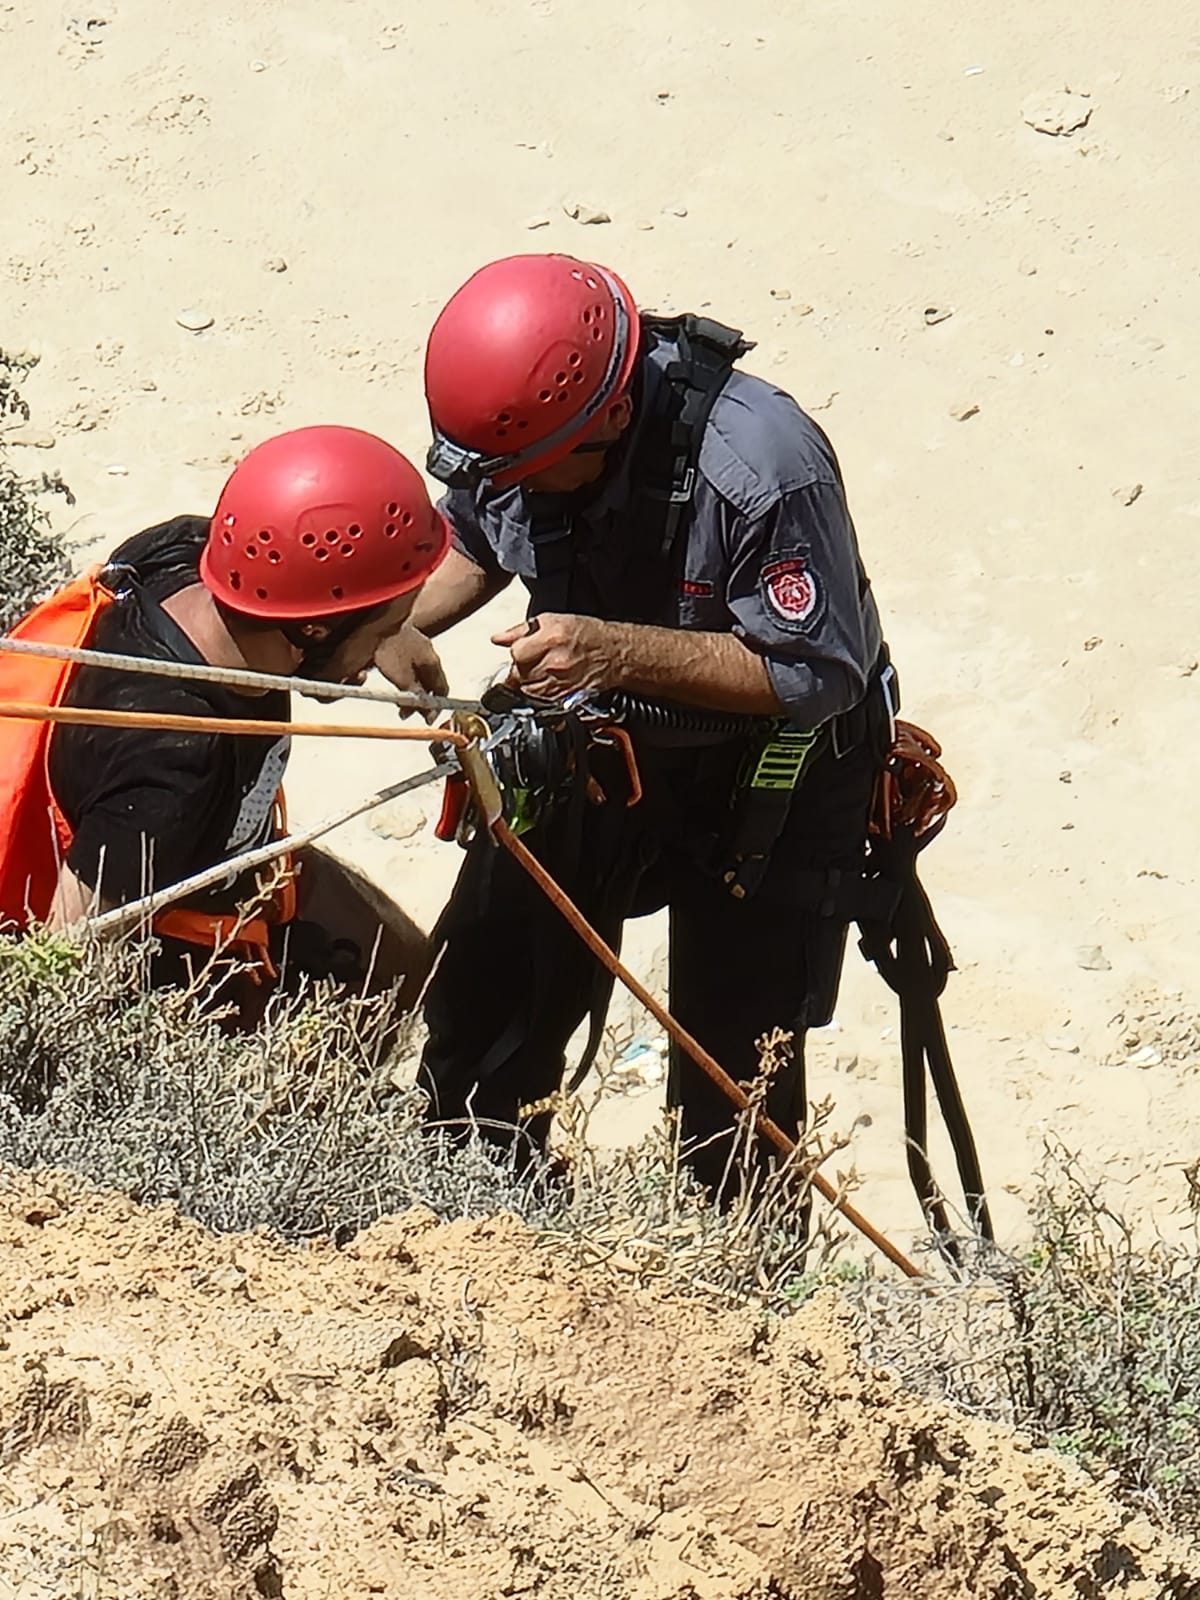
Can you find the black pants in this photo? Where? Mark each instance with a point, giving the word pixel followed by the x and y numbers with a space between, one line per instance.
pixel 514 982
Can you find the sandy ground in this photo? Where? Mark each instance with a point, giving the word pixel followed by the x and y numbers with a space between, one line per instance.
pixel 446 1411
pixel 317 178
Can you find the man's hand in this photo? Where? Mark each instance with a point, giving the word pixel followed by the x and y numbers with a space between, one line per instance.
pixel 556 655
pixel 409 662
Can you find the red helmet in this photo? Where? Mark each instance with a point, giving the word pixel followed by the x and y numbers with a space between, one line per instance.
pixel 522 364
pixel 321 521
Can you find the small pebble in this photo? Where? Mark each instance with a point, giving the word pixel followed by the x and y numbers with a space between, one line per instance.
pixel 537 222
pixel 398 821
pixel 1147 1056
pixel 1064 1043
pixel 148 386
pixel 194 319
pixel 936 314
pixel 275 264
pixel 587 215
pixel 961 413
pixel 1127 493
pixel 645 227
pixel 32 441
pixel 1092 958
pixel 676 211
pixel 117 471
pixel 781 294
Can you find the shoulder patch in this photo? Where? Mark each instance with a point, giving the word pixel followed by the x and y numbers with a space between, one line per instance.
pixel 792 591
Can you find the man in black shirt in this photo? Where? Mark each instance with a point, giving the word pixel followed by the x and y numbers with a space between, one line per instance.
pixel 319 544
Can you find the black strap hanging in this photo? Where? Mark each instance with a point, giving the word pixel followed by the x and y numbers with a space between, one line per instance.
pixel 912 956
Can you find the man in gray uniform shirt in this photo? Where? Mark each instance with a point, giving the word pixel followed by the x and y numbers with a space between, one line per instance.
pixel 682 531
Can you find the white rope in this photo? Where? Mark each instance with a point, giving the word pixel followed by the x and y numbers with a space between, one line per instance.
pixel 126 916
pixel 236 678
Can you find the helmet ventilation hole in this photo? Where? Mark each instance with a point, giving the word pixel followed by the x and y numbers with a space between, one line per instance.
pixel 309 539
pixel 230 520
pixel 406 519
pixel 354 530
pixel 235 580
pixel 390 530
pixel 261 593
pixel 544 395
pixel 227 537
pixel 406 566
pixel 251 551
pixel 392 508
pixel 264 536
pixel 577 378
pixel 562 395
pixel 347 549
pixel 597 333
pixel 274 557
pixel 321 553
pixel 574 358
pixel 338 592
pixel 332 536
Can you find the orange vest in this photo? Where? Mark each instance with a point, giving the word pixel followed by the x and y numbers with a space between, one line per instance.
pixel 34 835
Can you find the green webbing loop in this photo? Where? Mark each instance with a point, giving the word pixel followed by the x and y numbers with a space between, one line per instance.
pixel 782 759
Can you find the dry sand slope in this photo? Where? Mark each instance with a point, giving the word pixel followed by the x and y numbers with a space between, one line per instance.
pixel 316 178
pixel 446 1411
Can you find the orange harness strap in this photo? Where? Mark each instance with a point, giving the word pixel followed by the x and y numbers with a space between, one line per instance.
pixel 248 938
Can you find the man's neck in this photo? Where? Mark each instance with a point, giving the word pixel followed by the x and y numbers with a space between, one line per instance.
pixel 220 641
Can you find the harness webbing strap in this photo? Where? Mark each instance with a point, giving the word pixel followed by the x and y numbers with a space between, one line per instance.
pixel 913 958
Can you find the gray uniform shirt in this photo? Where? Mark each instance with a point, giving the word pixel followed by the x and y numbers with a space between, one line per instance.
pixel 771 554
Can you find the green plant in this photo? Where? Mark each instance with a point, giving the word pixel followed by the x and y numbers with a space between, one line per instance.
pixel 32 557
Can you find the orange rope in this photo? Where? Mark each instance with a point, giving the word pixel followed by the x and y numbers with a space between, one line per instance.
pixel 691 1046
pixel 83 717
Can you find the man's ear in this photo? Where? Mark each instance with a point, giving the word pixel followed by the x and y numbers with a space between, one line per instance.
pixel 620 412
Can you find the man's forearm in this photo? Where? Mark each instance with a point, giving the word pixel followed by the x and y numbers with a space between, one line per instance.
pixel 713 670
pixel 457 589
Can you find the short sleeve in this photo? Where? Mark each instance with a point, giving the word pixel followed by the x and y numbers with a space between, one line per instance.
pixel 461 510
pixel 799 598
pixel 147 817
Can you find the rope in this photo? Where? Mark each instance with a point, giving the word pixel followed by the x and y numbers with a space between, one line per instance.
pixel 479 775
pixel 235 677
pixel 691 1046
pixel 85 717
pixel 127 915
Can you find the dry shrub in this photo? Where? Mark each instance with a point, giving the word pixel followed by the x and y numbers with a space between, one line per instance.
pixel 32 557
pixel 307 1127
pixel 1089 1341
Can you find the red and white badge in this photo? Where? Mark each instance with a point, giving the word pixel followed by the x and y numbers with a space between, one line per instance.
pixel 791 589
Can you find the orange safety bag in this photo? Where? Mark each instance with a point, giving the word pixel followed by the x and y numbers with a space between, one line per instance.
pixel 34 834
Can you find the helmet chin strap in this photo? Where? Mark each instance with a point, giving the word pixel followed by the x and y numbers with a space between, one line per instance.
pixel 315 654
